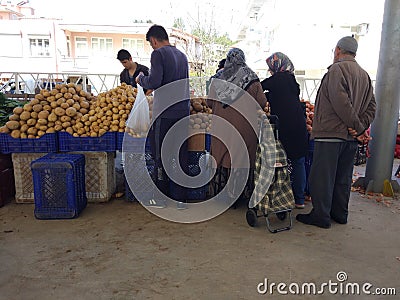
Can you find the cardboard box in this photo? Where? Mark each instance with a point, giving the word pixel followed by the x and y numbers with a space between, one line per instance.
pixel 197 142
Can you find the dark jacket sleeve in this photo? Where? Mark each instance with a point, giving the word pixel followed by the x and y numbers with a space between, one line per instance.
pixel 154 79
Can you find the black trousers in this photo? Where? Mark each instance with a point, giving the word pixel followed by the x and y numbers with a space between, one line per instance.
pixel 331 178
pixel 165 185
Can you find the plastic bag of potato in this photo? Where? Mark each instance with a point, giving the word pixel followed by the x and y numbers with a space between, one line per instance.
pixel 139 119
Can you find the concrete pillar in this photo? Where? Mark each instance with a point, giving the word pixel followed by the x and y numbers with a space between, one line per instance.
pixel 387 91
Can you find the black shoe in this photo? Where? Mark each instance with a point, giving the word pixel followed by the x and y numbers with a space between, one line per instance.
pixel 339 220
pixel 307 219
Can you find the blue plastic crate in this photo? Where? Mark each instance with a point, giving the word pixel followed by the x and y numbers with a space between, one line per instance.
pixel 199 193
pixel 208 142
pixel 141 188
pixel 59 186
pixel 45 144
pixel 132 144
pixel 68 143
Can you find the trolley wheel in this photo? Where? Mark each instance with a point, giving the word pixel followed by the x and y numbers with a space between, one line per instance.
pixel 281 215
pixel 251 217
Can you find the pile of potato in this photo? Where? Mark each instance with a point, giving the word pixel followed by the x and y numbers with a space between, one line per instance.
pixel 50 111
pixel 309 114
pixel 108 112
pixel 200 114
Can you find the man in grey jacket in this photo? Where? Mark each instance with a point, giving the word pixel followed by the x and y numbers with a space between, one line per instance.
pixel 344 109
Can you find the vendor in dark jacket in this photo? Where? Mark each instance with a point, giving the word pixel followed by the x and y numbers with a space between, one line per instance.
pixel 283 92
pixel 169 78
pixel 131 68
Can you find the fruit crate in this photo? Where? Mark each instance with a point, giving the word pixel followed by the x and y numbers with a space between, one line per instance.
pixel 59 186
pixel 131 143
pixel 7 186
pixel 23 176
pixel 69 143
pixel 45 144
pixel 195 158
pixel 134 176
pixel 99 175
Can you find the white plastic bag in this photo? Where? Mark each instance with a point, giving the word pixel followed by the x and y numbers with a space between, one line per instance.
pixel 139 120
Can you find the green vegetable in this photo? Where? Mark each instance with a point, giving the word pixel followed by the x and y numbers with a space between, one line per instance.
pixel 6 108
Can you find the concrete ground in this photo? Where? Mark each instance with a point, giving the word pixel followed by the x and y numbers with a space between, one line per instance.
pixel 119 250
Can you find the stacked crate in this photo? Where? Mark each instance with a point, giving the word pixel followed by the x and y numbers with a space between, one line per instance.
pixel 23 176
pixel 99 175
pixel 59 186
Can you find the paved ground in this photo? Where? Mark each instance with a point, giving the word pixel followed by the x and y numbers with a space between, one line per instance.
pixel 119 250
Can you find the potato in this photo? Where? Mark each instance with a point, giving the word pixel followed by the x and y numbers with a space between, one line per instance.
pixel 39 97
pixel 53 104
pixel 42 121
pixel 16 134
pixel 65 119
pixel 58 127
pixel 4 129
pixel 70 111
pixel 18 110
pixel 28 107
pixel 31 131
pixel 64 105
pixel 23 135
pixel 43 114
pixel 59 111
pixel 71 90
pixel 50 130
pixel 69 130
pixel 54 92
pixel 60 101
pixel 13 118
pixel 40 133
pixel 59 95
pixel 47 108
pixel 12 125
pixel 24 128
pixel 52 117
pixel 49 99
pixel 34 115
pixel 67 95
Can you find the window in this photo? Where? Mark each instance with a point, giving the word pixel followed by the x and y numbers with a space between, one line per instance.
pixel 102 46
pixel 68 46
pixel 134 46
pixel 81 47
pixel 39 47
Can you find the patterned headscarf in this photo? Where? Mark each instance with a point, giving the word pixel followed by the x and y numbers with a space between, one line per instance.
pixel 236 72
pixel 279 62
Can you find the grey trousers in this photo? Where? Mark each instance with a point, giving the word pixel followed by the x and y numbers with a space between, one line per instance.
pixel 331 178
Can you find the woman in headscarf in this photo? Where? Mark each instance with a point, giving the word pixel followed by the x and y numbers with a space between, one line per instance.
pixel 283 92
pixel 242 96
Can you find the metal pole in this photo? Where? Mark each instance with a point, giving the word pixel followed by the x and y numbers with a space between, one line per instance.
pixel 387 91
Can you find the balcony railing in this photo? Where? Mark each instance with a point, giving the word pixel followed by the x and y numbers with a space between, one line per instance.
pixel 31 83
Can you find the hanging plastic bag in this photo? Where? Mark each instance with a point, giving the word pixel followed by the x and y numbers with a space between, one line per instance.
pixel 139 120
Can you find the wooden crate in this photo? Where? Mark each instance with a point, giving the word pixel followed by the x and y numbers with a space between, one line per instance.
pixel 23 176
